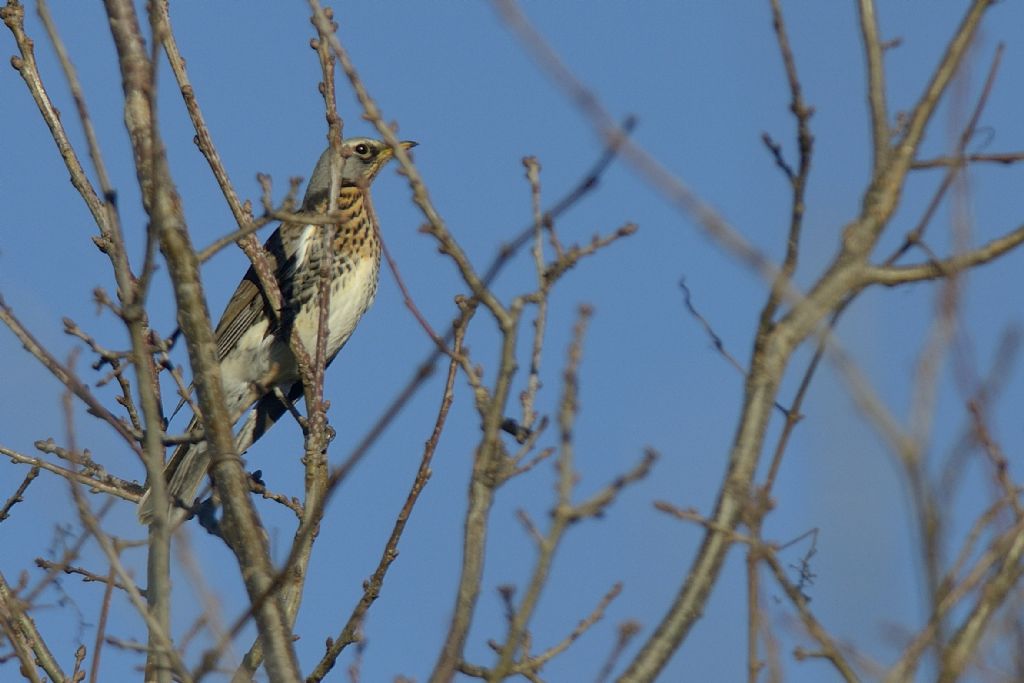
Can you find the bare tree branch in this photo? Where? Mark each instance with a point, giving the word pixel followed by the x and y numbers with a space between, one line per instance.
pixel 896 275
pixel 873 53
pixel 21 632
pixel 240 524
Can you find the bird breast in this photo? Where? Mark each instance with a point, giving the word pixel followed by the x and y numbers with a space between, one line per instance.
pixel 353 253
pixel 352 291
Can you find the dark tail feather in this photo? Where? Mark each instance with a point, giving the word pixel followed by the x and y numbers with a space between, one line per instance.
pixel 183 473
pixel 267 412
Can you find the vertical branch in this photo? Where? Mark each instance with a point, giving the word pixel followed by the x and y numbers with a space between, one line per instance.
pixel 315 458
pixel 158 551
pixel 797 180
pixel 798 184
pixel 311 370
pixel 315 393
pixel 316 469
pixel 101 626
pixel 873 54
pixel 540 319
pixel 754 663
pixel 483 483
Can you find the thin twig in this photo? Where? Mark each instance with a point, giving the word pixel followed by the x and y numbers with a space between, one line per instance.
pixel 1004 158
pixel 63 375
pixel 953 171
pixel 19 494
pixel 105 483
pixel 829 649
pixel 79 97
pixel 565 512
pixel 657 175
pixel 626 632
pixel 101 627
pixel 87 576
pixel 350 633
pixel 798 180
pixel 716 340
pixel 529 395
pixel 21 632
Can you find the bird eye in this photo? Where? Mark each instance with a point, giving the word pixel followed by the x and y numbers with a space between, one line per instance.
pixel 362 149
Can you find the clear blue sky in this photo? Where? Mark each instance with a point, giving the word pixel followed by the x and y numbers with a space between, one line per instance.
pixel 705 80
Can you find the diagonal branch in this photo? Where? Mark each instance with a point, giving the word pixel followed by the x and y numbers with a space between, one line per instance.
pixel 372 587
pixel 106 483
pixel 64 375
pixel 240 525
pixel 19 494
pixel 955 51
pixel 21 631
pixel 891 276
pixel 953 171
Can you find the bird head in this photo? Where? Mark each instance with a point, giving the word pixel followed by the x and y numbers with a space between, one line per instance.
pixel 361 159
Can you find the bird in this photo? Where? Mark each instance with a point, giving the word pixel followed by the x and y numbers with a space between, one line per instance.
pixel 257 365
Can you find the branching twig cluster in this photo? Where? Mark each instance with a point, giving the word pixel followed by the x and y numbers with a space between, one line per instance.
pixel 515 432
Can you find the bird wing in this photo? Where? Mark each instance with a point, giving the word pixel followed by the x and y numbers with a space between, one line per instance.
pixel 243 308
pixel 248 301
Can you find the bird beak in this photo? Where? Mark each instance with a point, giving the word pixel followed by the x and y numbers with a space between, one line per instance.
pixel 388 153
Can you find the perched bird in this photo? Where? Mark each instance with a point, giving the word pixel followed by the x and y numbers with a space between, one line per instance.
pixel 253 346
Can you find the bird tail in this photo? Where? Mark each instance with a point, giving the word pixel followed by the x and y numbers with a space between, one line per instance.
pixel 186 469
pixel 184 473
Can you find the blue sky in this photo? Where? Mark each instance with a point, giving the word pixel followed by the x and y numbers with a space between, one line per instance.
pixel 705 80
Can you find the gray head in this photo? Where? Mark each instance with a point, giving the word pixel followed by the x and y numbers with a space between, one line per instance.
pixel 361 159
